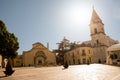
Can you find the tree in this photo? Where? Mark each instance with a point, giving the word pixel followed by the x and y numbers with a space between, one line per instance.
pixel 8 42
pixel 8 47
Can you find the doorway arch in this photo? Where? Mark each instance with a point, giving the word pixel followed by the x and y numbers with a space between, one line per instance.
pixel 39 58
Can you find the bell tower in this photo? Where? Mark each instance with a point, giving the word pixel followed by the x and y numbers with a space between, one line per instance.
pixel 99 40
pixel 96 29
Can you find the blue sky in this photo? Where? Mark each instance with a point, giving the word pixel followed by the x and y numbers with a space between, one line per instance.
pixel 50 20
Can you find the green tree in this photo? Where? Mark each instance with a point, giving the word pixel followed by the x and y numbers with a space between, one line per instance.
pixel 8 42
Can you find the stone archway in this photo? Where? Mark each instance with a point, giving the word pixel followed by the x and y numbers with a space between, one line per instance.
pixel 84 61
pixel 40 58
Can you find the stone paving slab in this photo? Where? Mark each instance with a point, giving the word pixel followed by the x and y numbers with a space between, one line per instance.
pixel 77 72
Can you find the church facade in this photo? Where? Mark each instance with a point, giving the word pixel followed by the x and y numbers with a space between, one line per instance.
pixel 39 55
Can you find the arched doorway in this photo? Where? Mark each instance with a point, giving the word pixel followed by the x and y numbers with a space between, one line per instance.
pixel 39 58
pixel 84 61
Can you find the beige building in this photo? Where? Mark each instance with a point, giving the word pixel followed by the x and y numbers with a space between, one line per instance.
pixel 113 54
pixel 79 55
pixel 18 61
pixel 39 55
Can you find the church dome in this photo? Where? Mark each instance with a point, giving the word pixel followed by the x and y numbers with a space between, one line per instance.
pixel 114 47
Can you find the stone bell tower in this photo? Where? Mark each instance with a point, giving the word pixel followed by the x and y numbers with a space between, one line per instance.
pixel 99 40
pixel 97 29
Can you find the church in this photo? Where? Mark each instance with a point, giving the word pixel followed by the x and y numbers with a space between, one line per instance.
pixel 99 40
pixel 94 49
pixel 39 55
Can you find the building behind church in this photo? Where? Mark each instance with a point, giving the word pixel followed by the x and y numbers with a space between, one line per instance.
pixel 113 54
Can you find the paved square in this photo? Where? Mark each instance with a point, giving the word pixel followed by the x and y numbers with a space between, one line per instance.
pixel 75 72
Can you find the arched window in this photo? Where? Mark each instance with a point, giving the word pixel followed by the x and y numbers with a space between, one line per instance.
pixel 97 41
pixel 73 55
pixel 95 30
pixel 78 61
pixel 83 53
pixel 73 61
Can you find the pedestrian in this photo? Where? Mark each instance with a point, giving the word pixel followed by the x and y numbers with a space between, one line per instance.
pixel 66 65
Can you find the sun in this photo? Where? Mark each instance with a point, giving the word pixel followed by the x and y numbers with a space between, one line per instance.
pixel 76 14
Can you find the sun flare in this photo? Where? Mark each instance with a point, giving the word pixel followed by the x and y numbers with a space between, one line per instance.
pixel 76 14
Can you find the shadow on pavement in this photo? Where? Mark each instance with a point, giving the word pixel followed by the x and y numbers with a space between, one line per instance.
pixel 2 76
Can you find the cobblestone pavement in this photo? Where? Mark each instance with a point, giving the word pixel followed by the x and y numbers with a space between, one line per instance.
pixel 75 72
